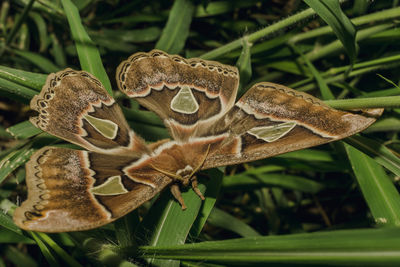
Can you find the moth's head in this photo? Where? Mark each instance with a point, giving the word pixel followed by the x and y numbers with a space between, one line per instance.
pixel 185 174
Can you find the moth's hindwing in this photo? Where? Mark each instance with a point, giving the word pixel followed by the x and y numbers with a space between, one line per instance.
pixel 74 106
pixel 73 190
pixel 188 94
pixel 271 119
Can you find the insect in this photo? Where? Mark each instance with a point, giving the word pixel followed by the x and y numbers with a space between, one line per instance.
pixel 71 190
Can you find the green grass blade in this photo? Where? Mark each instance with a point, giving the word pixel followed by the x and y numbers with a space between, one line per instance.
pixel 7 222
pixel 213 188
pixel 381 195
pixel 15 91
pixel 47 253
pixel 25 78
pixel 7 236
pixel 371 102
pixel 100 250
pixel 19 258
pixel 124 229
pixel 244 65
pixel 369 247
pixel 309 155
pixel 166 223
pixel 336 46
pixel 57 51
pixel 220 7
pixel 381 15
pixel 224 220
pixel 19 22
pixel 13 160
pixel 109 257
pixel 250 182
pixel 42 30
pixel 4 134
pixel 344 29
pixel 57 249
pixel 50 7
pixel 89 56
pixel 4 9
pixel 23 130
pixel 377 151
pixel 384 125
pixel 38 60
pixel 253 37
pixel 323 86
pixel 173 36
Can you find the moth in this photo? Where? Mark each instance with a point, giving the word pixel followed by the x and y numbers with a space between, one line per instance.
pixel 73 190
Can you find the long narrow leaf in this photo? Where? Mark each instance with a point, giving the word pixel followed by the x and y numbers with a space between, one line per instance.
pixel 332 14
pixel 323 86
pixel 176 31
pixel 23 130
pixel 14 160
pixel 38 60
pixel 369 247
pixel 381 195
pixel 15 91
pixel 6 222
pixel 166 223
pixel 213 188
pixel 56 248
pixel 28 79
pixel 377 151
pixel 50 257
pixel 224 220
pixel 89 56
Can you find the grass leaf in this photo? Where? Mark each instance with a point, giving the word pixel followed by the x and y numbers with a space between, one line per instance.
pixel 224 220
pixel 173 36
pixel 166 223
pixel 344 29
pixel 23 130
pixel 367 247
pixel 25 78
pixel 377 151
pixel 381 195
pixel 89 56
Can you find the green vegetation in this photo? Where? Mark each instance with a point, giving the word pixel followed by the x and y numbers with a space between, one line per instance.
pixel 335 204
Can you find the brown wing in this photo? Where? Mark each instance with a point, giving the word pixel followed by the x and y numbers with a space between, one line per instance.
pixel 271 119
pixel 188 94
pixel 74 190
pixel 74 106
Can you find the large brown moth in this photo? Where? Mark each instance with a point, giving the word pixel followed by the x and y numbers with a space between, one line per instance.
pixel 71 190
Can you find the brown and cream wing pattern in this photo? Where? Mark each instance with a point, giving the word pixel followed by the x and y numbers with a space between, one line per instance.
pixel 272 119
pixel 74 106
pixel 74 190
pixel 188 94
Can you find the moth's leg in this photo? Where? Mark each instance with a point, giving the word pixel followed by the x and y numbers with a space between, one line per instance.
pixel 176 192
pixel 195 187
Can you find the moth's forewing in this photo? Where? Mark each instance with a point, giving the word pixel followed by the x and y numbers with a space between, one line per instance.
pixel 272 119
pixel 74 106
pixel 188 94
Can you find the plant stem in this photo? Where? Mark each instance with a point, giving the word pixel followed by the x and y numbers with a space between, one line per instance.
pixel 372 102
pixel 388 14
pixel 260 34
pixel 335 46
